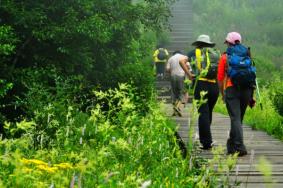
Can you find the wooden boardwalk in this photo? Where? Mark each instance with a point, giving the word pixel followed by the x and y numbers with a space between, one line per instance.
pixel 257 142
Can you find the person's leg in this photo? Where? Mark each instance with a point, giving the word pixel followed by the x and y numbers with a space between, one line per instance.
pixel 212 97
pixel 175 94
pixel 158 68
pixel 213 94
pixel 179 93
pixel 162 69
pixel 245 97
pixel 173 89
pixel 180 83
pixel 235 142
pixel 203 120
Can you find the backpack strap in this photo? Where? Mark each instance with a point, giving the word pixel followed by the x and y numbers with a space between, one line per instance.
pixel 207 60
pixel 198 58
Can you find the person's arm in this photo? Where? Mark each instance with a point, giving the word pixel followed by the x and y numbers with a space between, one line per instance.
pixel 183 63
pixel 221 74
pixel 168 65
pixel 221 88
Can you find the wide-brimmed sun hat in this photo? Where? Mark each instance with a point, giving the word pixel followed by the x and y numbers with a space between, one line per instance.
pixel 203 39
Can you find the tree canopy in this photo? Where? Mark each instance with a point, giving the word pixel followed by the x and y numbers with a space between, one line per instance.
pixel 91 39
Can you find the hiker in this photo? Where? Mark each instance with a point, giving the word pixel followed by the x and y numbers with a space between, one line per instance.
pixel 235 92
pixel 160 57
pixel 205 60
pixel 177 77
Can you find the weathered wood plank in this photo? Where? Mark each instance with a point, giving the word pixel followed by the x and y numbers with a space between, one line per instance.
pixel 260 142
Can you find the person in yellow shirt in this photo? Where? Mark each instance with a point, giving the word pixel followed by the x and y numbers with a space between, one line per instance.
pixel 160 57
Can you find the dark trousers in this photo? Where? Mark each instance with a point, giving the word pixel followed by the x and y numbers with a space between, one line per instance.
pixel 236 101
pixel 205 110
pixel 177 87
pixel 160 67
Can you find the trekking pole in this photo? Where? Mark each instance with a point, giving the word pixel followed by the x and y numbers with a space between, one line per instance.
pixel 256 83
pixel 258 94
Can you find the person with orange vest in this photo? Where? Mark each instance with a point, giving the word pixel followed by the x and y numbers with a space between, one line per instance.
pixel 236 98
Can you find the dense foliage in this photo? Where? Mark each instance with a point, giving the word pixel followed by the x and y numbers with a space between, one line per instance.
pixel 75 44
pixel 116 148
pixel 276 94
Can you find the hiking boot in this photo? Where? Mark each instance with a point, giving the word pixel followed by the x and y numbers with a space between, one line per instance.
pixel 240 153
pixel 205 147
pixel 178 104
pixel 208 147
pixel 177 111
pixel 162 76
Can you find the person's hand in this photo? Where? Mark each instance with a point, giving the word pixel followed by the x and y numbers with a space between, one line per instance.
pixel 252 103
pixel 191 76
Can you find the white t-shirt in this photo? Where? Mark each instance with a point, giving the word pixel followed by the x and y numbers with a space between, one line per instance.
pixel 174 66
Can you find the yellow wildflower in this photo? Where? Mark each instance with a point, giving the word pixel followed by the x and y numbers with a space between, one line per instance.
pixel 63 165
pixel 33 161
pixel 47 168
pixel 25 161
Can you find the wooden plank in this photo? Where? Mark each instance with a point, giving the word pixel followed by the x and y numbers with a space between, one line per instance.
pixel 263 185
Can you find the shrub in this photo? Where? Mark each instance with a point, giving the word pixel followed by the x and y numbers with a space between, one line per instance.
pixel 140 76
pixel 104 149
pixel 276 93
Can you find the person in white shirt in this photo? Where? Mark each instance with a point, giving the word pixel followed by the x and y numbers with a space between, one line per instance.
pixel 177 77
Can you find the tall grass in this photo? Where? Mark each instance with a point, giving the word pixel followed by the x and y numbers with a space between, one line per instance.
pixel 113 146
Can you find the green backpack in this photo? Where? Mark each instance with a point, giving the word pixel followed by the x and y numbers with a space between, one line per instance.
pixel 161 54
pixel 207 60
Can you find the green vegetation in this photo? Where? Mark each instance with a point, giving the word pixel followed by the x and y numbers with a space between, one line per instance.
pixel 113 147
pixel 107 148
pixel 67 118
pixel 76 45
